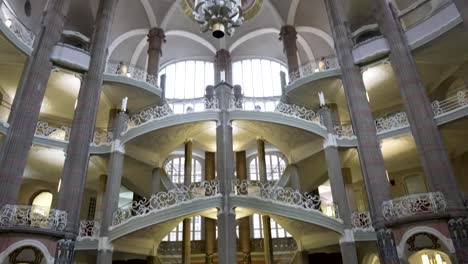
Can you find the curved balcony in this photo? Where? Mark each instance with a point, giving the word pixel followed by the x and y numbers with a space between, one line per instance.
pixel 122 72
pixel 16 32
pixel 70 56
pixel 415 204
pixel 33 217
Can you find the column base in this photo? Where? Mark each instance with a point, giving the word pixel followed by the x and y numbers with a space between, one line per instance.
pixel 348 253
pixel 104 257
pixel 386 245
pixel 246 258
pixel 65 251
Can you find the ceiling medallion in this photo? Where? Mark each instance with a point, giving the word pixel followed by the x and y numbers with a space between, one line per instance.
pixel 219 16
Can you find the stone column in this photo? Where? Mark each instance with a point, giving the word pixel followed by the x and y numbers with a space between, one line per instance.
pixel 431 148
pixel 223 63
pixel 267 243
pixel 27 103
pixel 288 35
pixel 76 163
pixel 294 178
pixel 186 250
pixel 370 156
pixel 114 182
pixel 332 155
pixel 156 38
pixel 162 85
pixel 210 224
pixel 156 183
pixel 284 95
pixel 244 223
pixel 227 251
pixel 101 194
pixel 462 7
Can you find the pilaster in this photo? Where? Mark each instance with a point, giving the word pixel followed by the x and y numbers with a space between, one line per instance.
pixel 27 103
pixel 288 35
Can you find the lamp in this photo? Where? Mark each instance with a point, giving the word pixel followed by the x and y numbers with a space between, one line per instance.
pixel 8 23
pixel 219 16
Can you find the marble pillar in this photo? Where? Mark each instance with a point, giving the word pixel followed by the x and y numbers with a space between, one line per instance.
pixel 101 194
pixel 186 227
pixel 227 250
pixel 114 182
pixel 156 38
pixel 244 223
pixel 288 35
pixel 210 224
pixel 75 168
pixel 223 62
pixel 431 148
pixel 27 103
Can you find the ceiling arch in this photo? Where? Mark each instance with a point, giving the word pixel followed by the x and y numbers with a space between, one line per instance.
pixel 149 13
pixel 120 39
pixel 192 36
pixel 318 32
pixel 292 11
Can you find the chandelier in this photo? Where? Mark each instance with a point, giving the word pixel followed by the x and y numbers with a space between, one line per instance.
pixel 219 16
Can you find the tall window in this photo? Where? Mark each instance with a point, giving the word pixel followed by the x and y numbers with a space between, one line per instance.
pixel 195 231
pixel 175 169
pixel 188 79
pixel 275 166
pixel 258 77
pixel 277 231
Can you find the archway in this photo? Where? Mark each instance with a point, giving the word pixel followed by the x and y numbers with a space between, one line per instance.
pixel 26 255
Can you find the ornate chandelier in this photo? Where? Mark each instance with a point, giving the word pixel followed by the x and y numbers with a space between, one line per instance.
pixel 219 16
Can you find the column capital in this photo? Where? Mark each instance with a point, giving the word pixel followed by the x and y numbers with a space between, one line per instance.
pixel 288 32
pixel 156 37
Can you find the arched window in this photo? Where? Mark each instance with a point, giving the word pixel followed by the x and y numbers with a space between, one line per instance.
pixel 175 169
pixel 41 203
pixel 195 231
pixel 275 166
pixel 277 231
pixel 188 79
pixel 258 77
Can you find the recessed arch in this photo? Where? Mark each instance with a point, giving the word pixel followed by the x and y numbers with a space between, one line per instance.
pixel 120 39
pixel 447 242
pixel 312 30
pixel 192 36
pixel 24 243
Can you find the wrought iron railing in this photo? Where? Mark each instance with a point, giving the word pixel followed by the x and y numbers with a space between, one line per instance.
pixel 33 216
pixel 134 72
pixel 319 65
pixel 273 104
pixel 433 202
pixel 11 21
pixel 62 132
pixel 362 221
pixel 419 11
pixel 285 196
pixel 391 122
pixel 451 103
pixel 163 200
pixel 89 230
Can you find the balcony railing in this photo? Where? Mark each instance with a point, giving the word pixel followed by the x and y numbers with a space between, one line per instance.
pixel 320 65
pixel 419 11
pixel 131 71
pixel 89 230
pixel 414 204
pixel 272 104
pixel 400 120
pixel 23 33
pixel 285 196
pixel 163 200
pixel 33 217
pixel 362 221
pixel 61 132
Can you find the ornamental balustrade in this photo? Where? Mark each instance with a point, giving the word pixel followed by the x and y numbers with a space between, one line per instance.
pixel 44 129
pixel 164 200
pixel 362 221
pixel 452 103
pixel 284 196
pixel 391 122
pixel 33 217
pixel 89 230
pixel 344 131
pixel 320 65
pixel 418 11
pixel 130 71
pixel 172 108
pixel 273 104
pixel 433 202
pixel 23 33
